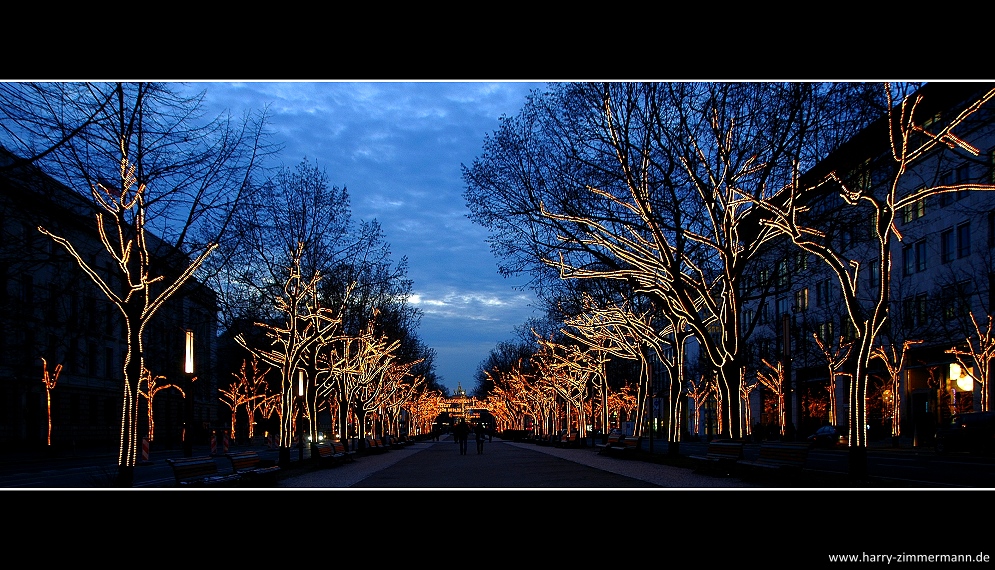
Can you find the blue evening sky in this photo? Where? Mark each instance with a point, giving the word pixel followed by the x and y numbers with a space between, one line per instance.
pixel 397 147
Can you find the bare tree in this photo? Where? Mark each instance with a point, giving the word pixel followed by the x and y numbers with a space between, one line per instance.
pixel 177 180
pixel 792 214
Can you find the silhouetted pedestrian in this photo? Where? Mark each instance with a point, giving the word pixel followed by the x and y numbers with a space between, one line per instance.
pixel 479 434
pixel 462 431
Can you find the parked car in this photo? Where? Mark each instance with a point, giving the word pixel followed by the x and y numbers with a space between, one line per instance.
pixel 826 436
pixel 971 431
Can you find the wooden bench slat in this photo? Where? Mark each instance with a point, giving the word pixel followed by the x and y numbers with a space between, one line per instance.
pixel 201 472
pixel 251 467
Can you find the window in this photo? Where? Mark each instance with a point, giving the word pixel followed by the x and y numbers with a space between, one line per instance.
pixel 914 211
pixel 801 299
pixel 961 177
pixel 921 307
pixel 764 313
pixel 801 261
pixel 908 260
pixel 964 240
pixel 914 310
pixel 783 279
pixel 946 179
pixel 874 274
pixel 847 331
pixel 822 293
pixel 947 245
pixel 920 255
pixel 957 301
pixel 783 307
pixel 825 332
pixel 862 175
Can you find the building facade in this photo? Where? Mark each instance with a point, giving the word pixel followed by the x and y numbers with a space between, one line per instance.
pixel 49 309
pixel 940 279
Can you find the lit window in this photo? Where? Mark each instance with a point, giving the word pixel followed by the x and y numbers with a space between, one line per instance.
pixel 801 299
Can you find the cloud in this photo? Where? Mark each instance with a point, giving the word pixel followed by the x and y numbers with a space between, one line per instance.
pixel 398 148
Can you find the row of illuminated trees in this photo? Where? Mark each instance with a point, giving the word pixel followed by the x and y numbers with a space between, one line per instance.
pixel 663 199
pixel 203 192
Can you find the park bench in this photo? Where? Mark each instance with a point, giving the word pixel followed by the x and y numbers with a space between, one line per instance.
pixel 339 447
pixel 393 443
pixel 201 472
pixel 619 445
pixel 569 440
pixel 721 454
pixel 778 458
pixel 255 471
pixel 375 445
pixel 325 455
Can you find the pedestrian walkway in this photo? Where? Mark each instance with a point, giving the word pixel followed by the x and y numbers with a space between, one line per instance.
pixel 503 465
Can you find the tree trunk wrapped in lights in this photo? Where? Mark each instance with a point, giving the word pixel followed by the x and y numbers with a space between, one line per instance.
pixel 50 379
pixel 894 363
pixel 121 226
pixel 245 391
pixel 773 380
pixel 789 213
pixel 977 355
pixel 834 362
pixel 306 324
pixel 148 388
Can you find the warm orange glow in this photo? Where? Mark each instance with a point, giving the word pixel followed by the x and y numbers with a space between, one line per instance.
pixel 975 359
pixel 148 388
pixel 121 227
pixel 786 211
pixel 188 359
pixel 50 380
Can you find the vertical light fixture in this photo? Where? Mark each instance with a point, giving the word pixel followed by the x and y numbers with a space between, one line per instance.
pixel 300 415
pixel 188 360
pixel 188 395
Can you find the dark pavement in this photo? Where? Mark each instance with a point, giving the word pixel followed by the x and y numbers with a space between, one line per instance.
pixel 503 465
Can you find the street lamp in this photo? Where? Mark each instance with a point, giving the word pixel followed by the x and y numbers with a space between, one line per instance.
pixel 188 396
pixel 300 415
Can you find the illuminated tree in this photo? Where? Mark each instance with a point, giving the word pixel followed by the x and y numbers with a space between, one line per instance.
pixel 148 388
pixel 648 184
pixel 181 178
pixel 570 371
pixel 975 357
pixel 835 358
pixel 911 140
pixel 50 380
pixel 121 225
pixel 305 325
pixel 423 409
pixel 618 330
pixel 894 362
pixel 773 380
pixel 699 391
pixel 245 391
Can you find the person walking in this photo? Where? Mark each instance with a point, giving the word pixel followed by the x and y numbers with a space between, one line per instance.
pixel 479 434
pixel 462 436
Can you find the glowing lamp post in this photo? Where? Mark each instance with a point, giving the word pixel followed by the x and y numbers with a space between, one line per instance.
pixel 300 416
pixel 188 396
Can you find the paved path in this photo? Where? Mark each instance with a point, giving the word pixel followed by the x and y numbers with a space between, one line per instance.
pixel 503 465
